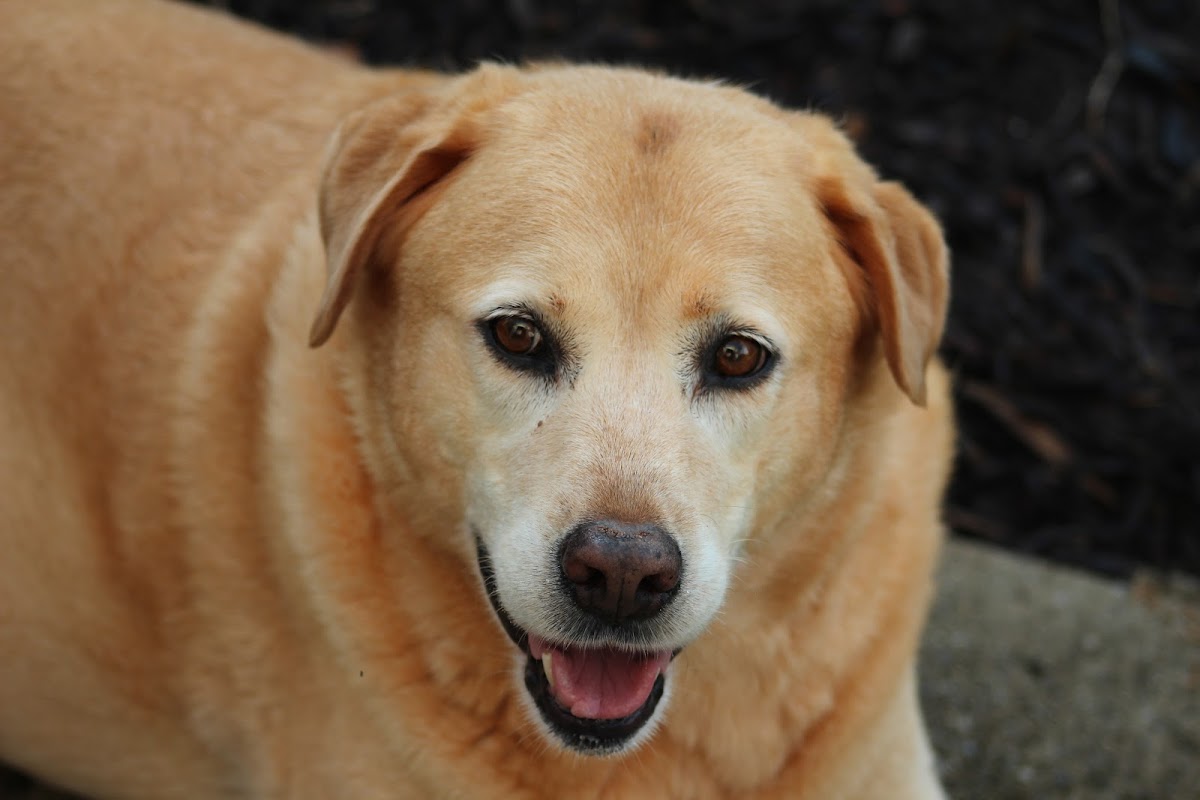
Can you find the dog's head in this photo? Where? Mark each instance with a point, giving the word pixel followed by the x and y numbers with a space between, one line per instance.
pixel 611 320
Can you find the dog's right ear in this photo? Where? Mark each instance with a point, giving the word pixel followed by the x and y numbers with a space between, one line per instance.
pixel 382 162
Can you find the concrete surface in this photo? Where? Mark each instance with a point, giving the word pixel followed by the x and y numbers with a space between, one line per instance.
pixel 1040 682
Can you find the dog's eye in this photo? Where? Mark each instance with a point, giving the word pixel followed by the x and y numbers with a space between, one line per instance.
pixel 739 357
pixel 520 342
pixel 517 336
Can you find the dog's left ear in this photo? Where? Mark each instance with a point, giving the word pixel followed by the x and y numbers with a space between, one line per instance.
pixel 383 168
pixel 899 246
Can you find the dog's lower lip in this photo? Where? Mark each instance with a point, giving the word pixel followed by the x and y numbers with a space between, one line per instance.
pixel 584 734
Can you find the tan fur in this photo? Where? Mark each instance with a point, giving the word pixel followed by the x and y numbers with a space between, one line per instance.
pixel 236 566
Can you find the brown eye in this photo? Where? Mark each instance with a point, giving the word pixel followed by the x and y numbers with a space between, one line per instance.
pixel 517 335
pixel 739 357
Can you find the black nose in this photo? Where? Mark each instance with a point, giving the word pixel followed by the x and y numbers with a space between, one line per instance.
pixel 619 571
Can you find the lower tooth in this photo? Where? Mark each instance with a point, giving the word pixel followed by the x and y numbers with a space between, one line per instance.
pixel 547 667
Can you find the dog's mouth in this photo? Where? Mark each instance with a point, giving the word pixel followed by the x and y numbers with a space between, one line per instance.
pixel 594 699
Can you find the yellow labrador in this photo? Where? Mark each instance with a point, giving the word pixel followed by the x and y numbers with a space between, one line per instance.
pixel 614 472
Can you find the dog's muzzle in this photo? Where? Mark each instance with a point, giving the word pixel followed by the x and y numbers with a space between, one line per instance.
pixel 615 579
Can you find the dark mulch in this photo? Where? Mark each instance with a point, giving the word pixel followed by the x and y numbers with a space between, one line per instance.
pixel 1058 140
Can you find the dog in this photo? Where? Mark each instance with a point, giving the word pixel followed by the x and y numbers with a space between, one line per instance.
pixel 553 431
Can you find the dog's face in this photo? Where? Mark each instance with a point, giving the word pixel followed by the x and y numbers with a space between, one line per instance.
pixel 614 321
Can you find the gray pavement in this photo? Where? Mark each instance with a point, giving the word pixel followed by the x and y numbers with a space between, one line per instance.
pixel 1041 682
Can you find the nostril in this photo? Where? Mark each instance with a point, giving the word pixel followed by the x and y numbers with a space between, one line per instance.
pixel 659 583
pixel 584 569
pixel 578 571
pixel 595 579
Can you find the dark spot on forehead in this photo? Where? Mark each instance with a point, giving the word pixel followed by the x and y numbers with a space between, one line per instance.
pixel 656 130
pixel 698 304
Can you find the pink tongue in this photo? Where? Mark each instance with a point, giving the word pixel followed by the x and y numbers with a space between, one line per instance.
pixel 603 683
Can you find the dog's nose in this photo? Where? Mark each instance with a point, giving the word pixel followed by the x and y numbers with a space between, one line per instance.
pixel 619 571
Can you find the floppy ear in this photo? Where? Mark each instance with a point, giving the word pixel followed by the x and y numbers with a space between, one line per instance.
pixel 900 248
pixel 381 162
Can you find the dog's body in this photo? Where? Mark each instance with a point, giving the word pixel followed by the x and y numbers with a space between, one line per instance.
pixel 235 566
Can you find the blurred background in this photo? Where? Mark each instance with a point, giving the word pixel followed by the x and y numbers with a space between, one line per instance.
pixel 1058 141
